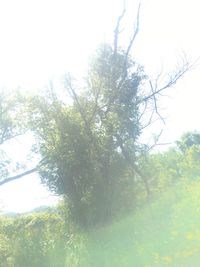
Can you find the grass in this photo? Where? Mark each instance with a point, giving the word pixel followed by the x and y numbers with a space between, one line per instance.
pixel 165 234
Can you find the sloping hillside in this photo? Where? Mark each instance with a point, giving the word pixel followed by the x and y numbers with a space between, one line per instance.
pixel 167 233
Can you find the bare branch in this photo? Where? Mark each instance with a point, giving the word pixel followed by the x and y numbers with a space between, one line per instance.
pixel 116 31
pixel 143 111
pixel 16 177
pixel 156 139
pixel 135 32
pixel 21 175
pixel 173 79
pixel 150 121
pixel 155 103
pixel 4 139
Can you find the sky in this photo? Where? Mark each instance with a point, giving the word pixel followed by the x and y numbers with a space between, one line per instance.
pixel 42 40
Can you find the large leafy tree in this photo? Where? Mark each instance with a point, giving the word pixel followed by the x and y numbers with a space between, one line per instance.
pixel 89 145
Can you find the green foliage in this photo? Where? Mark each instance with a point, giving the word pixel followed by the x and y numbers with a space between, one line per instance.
pixel 11 110
pixel 165 169
pixel 11 126
pixel 39 240
pixel 168 168
pixel 190 164
pixel 188 140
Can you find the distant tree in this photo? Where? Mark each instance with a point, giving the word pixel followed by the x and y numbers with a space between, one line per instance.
pixel 188 140
pixel 164 169
pixel 189 147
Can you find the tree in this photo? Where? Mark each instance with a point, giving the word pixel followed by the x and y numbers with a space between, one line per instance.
pixel 189 148
pixel 188 140
pixel 91 144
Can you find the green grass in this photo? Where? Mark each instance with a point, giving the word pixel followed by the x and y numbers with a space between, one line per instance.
pixel 165 234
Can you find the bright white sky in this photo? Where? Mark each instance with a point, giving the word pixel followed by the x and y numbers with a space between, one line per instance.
pixel 41 40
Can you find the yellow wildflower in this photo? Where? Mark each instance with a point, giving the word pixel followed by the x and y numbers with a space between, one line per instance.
pixel 167 259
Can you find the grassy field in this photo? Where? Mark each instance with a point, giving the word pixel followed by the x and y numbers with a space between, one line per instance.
pixel 167 233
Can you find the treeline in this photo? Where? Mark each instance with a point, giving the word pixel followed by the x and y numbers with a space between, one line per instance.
pixel 182 162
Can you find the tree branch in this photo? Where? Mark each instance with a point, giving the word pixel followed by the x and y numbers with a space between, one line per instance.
pixel 155 104
pixel 173 79
pixel 135 32
pixel 16 177
pixel 21 175
pixel 116 31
